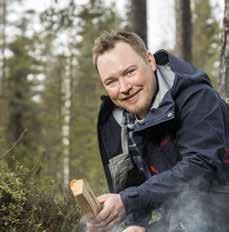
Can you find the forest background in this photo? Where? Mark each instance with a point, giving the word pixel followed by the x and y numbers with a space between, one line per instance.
pixel 50 97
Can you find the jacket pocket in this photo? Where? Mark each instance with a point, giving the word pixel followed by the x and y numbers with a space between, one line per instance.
pixel 119 167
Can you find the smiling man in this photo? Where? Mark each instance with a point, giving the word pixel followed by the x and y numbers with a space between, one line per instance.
pixel 128 78
pixel 163 133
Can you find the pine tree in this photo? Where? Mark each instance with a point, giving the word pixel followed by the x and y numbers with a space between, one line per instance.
pixel 76 140
pixel 138 18
pixel 21 108
pixel 206 39
pixel 52 118
pixel 95 18
pixel 183 30
pixel 223 83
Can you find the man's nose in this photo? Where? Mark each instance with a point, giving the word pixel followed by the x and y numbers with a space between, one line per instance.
pixel 125 86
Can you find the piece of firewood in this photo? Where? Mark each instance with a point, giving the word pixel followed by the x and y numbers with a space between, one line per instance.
pixel 85 197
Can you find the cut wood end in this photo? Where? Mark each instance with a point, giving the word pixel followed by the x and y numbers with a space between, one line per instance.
pixel 85 197
pixel 76 186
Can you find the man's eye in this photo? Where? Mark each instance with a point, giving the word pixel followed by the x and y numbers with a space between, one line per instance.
pixel 131 72
pixel 111 83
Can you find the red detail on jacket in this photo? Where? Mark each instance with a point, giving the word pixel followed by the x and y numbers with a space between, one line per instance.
pixel 153 169
pixel 164 141
pixel 226 150
pixel 226 161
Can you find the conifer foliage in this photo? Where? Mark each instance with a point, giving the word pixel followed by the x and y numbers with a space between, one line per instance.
pixel 48 115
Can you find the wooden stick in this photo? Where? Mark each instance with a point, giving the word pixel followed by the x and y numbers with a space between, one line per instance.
pixel 85 197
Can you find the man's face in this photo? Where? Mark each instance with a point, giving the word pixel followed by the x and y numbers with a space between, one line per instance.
pixel 127 78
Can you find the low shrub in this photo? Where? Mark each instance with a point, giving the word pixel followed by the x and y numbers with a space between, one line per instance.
pixel 25 206
pixel 12 199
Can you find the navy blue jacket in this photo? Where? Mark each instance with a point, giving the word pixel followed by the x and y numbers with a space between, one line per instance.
pixel 182 142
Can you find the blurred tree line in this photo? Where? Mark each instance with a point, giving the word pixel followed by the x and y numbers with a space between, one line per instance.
pixel 49 99
pixel 50 96
pixel 50 92
pixel 198 36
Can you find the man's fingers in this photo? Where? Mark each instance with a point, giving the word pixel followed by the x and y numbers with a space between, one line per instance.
pixel 105 213
pixel 114 221
pixel 112 217
pixel 102 198
pixel 111 213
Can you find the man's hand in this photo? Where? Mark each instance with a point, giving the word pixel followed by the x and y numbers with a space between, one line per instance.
pixel 134 229
pixel 112 213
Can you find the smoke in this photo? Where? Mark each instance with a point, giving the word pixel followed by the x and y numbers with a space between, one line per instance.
pixel 191 211
pixel 83 226
pixel 195 211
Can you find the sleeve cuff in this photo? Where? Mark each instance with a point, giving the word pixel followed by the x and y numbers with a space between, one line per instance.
pixel 131 200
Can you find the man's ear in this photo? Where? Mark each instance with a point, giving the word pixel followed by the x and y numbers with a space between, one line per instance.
pixel 152 61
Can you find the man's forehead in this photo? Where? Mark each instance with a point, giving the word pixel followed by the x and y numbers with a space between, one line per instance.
pixel 117 59
pixel 107 68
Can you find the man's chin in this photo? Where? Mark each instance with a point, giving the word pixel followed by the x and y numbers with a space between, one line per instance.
pixel 138 111
pixel 133 110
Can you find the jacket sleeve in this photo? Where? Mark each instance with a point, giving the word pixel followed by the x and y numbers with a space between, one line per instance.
pixel 202 136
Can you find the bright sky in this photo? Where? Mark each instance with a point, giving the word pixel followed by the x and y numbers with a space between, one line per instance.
pixel 160 19
pixel 43 4
pixel 161 25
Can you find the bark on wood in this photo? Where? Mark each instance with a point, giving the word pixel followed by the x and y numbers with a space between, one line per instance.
pixel 183 29
pixel 138 17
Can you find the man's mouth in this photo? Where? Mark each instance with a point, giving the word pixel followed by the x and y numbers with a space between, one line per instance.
pixel 130 97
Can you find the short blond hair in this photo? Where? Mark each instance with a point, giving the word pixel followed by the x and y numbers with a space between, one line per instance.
pixel 107 41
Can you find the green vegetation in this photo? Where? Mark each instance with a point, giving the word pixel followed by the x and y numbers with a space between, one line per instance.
pixel 86 95
pixel 206 39
pixel 26 205
pixel 48 125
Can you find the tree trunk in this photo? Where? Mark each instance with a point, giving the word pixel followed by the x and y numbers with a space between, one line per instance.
pixel 183 30
pixel 138 18
pixel 223 84
pixel 2 61
pixel 66 112
pixel 3 41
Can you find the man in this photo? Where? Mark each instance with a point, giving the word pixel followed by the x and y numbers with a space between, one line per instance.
pixel 163 135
